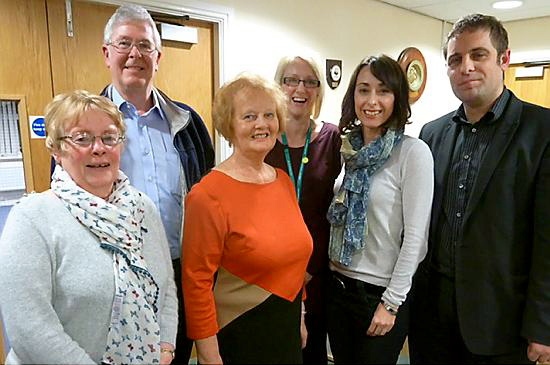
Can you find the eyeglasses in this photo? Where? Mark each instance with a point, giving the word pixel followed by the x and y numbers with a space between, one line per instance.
pixel 86 140
pixel 293 81
pixel 125 46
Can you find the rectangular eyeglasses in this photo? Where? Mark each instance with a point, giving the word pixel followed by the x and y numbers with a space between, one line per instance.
pixel 86 140
pixel 125 46
pixel 293 81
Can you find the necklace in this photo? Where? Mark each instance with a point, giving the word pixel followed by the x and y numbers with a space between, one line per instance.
pixel 303 162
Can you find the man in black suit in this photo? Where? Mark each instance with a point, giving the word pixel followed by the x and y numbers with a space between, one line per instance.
pixel 482 295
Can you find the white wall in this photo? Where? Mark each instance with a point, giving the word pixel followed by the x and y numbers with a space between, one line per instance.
pixel 262 31
pixel 529 35
pixel 259 32
pixel 529 39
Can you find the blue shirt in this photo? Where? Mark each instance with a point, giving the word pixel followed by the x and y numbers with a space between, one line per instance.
pixel 152 164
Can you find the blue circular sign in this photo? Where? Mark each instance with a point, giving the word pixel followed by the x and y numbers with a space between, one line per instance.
pixel 39 127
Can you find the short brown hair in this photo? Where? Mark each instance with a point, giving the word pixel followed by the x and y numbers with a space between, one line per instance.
pixel 223 108
pixel 474 22
pixel 65 110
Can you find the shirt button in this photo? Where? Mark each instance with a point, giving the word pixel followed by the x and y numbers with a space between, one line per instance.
pixel 461 186
pixel 145 152
pixel 474 130
pixel 466 157
pixel 458 215
pixel 150 178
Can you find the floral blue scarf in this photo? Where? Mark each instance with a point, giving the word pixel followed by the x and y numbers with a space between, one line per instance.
pixel 134 332
pixel 347 213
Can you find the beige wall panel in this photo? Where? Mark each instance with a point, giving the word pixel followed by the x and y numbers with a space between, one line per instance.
pixel 25 70
pixel 186 71
pixel 535 90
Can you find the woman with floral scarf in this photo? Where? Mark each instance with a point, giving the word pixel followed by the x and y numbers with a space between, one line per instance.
pixel 379 217
pixel 85 267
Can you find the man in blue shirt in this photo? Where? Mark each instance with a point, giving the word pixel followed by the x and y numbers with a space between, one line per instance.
pixel 168 148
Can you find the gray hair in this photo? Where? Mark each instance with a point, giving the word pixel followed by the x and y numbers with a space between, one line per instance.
pixel 130 13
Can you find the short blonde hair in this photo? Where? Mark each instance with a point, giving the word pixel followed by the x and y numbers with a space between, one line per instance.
pixel 279 74
pixel 65 110
pixel 223 108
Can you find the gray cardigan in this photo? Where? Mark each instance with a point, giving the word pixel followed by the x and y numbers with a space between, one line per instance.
pixel 58 284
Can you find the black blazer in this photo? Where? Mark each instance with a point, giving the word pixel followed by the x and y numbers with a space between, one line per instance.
pixel 502 273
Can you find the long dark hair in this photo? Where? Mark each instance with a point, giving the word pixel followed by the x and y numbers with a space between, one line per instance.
pixel 390 73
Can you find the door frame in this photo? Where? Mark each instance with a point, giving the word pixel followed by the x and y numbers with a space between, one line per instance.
pixel 24 137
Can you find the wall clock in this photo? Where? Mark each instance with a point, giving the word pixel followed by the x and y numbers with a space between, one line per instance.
pixel 412 62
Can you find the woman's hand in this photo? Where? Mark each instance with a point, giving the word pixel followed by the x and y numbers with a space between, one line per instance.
pixel 166 353
pixel 208 351
pixel 382 322
pixel 303 329
pixel 307 278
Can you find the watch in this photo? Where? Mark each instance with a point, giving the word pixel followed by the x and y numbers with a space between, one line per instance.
pixel 390 308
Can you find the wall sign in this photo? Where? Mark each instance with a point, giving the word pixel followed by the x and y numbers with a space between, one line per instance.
pixel 37 127
pixel 334 73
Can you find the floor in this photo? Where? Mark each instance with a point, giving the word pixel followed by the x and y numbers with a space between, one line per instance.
pixel 4 210
pixel 403 356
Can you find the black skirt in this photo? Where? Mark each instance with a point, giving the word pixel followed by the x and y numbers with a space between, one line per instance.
pixel 267 334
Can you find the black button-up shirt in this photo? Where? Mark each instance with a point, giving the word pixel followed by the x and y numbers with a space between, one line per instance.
pixel 470 146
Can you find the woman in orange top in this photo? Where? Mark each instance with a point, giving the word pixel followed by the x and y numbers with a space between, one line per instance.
pixel 245 245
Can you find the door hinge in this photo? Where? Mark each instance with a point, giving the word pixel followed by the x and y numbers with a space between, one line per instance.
pixel 69 16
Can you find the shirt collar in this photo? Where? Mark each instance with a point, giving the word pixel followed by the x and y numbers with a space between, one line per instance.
pixel 120 101
pixel 491 116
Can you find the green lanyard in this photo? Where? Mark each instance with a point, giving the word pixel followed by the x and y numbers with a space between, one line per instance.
pixel 303 162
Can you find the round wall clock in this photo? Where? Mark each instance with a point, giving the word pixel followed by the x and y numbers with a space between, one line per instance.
pixel 413 63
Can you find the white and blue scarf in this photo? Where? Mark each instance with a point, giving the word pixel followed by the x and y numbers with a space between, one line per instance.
pixel 347 213
pixel 134 332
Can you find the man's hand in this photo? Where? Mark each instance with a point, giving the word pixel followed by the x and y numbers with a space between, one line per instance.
pixel 538 352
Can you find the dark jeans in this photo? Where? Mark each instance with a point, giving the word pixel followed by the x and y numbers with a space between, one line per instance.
pixel 435 336
pixel 183 343
pixel 351 306
pixel 315 351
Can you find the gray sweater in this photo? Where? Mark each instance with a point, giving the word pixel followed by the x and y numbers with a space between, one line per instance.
pixel 58 283
pixel 398 216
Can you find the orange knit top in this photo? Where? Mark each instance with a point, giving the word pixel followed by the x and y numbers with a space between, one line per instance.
pixel 254 232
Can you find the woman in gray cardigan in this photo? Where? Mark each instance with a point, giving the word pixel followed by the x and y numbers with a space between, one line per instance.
pixel 85 267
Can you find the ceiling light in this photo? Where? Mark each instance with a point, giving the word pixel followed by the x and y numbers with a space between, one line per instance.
pixel 507 4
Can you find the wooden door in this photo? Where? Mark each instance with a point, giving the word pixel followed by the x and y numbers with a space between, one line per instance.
pixel 25 74
pixel 186 72
pixel 535 90
pixel 77 61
